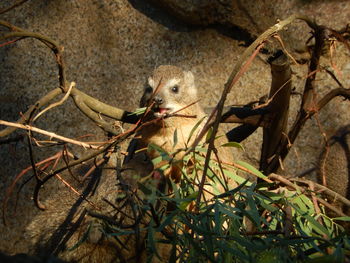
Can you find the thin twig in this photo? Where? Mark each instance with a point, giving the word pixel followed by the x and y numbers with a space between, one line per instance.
pixel 38 104
pixel 308 104
pixel 215 125
pixel 36 176
pixel 76 192
pixel 11 42
pixel 18 3
pixel 49 134
pixel 331 207
pixel 58 103
pixel 331 95
pixel 323 189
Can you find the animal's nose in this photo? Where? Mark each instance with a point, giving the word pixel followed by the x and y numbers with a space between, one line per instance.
pixel 158 99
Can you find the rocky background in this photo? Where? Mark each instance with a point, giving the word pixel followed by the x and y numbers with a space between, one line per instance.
pixel 111 46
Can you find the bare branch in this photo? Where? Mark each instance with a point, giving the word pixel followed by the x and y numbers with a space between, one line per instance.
pixel 278 105
pixel 101 107
pixel 56 103
pixel 308 105
pixel 76 191
pixel 18 3
pixel 236 73
pixel 331 95
pixel 53 45
pixel 40 103
pixel 79 102
pixel 49 134
pixel 324 189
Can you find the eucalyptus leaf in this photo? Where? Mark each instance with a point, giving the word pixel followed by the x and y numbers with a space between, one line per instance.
pixel 195 128
pixel 233 145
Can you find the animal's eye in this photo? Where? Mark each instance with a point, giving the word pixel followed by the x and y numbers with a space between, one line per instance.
pixel 175 89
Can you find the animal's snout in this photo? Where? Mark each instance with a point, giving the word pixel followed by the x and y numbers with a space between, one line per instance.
pixel 158 100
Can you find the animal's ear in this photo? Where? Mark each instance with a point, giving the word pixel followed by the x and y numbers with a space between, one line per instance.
pixel 151 82
pixel 189 80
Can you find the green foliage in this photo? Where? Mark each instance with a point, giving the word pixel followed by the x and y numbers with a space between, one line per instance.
pixel 138 111
pixel 253 222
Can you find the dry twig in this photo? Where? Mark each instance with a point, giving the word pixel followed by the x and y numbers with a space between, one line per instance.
pixel 49 134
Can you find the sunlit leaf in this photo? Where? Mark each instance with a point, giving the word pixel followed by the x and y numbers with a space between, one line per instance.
pixel 233 144
pixel 194 129
pixel 312 221
pixel 252 169
pixel 342 218
pixel 183 205
pixel 138 111
pixel 209 133
pixel 175 139
pixel 236 178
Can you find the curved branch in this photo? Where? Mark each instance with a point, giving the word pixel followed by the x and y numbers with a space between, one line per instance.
pixel 40 103
pixel 87 104
pixel 80 103
pixel 53 105
pixel 324 189
pixel 18 3
pixel 53 45
pixel 238 70
pixel 99 106
pixel 331 95
pixel 48 41
pixel 308 104
pixel 64 167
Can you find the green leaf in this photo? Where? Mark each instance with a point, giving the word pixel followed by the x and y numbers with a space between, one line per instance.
pixel 209 133
pixel 312 221
pixel 236 178
pixel 183 205
pixel 119 232
pixel 194 129
pixel 233 191
pixel 217 217
pixel 83 238
pixel 252 169
pixel 151 244
pixel 163 154
pixel 175 138
pixel 252 210
pixel 138 111
pixel 168 220
pixel 308 203
pixel 269 207
pixel 298 201
pixel 155 147
pixel 233 144
pixel 343 218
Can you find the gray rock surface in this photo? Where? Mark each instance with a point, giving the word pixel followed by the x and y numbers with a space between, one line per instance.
pixel 111 46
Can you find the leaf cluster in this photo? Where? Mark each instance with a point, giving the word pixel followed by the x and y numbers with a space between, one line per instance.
pixel 254 222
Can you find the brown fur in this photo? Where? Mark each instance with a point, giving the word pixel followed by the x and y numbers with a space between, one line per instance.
pixel 160 94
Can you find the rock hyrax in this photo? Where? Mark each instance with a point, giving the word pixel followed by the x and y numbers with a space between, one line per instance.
pixel 171 90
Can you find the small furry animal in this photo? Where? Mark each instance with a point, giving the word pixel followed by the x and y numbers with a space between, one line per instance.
pixel 171 90
pixel 172 97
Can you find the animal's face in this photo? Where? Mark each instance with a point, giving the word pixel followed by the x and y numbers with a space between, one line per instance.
pixel 170 89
